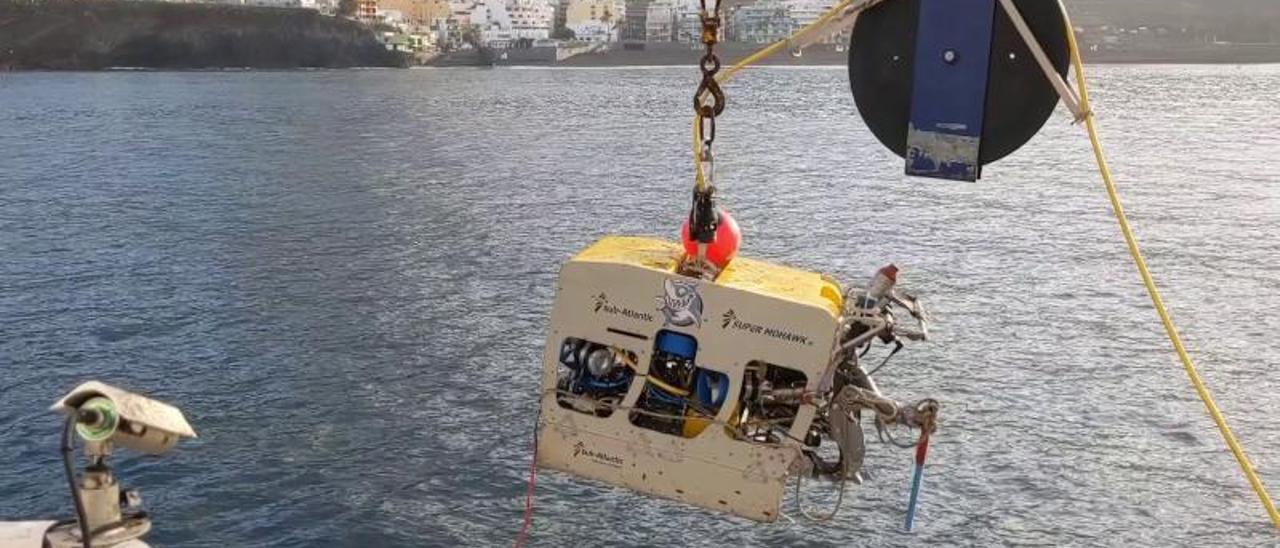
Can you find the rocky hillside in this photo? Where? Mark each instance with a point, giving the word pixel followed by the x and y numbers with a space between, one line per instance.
pixel 96 34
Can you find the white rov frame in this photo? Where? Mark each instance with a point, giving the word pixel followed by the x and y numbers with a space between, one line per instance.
pixel 740 323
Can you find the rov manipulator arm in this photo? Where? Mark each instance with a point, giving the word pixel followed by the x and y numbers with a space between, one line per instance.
pixel 848 389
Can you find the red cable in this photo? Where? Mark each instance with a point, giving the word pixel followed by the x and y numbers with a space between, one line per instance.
pixel 922 448
pixel 528 496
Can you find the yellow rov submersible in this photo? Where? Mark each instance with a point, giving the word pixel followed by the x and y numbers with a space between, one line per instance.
pixel 683 371
pixel 680 370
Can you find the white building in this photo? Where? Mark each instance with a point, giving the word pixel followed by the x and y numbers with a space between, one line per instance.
pixel 501 22
pixel 806 12
pixel 762 23
pixel 530 19
pixel 688 25
pixel 660 21
pixel 491 19
pixel 673 21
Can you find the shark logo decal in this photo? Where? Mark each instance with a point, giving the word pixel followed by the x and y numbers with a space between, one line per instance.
pixel 680 303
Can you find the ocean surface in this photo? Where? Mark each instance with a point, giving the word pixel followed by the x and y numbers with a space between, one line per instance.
pixel 343 278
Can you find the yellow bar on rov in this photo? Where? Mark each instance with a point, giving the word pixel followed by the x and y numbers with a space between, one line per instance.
pixel 778 281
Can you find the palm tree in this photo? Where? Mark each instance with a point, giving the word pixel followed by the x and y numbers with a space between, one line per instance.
pixel 610 25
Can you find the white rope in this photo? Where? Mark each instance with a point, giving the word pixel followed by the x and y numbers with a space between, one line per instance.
pixel 1068 95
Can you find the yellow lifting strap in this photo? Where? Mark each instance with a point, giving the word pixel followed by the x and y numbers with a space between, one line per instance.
pixel 1201 390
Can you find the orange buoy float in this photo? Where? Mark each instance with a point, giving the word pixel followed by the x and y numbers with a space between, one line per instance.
pixel 724 247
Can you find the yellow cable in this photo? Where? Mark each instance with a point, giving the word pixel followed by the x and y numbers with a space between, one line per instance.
pixel 1116 207
pixel 1169 328
pixel 663 385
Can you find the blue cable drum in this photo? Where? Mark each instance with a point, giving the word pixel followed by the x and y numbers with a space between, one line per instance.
pixel 930 74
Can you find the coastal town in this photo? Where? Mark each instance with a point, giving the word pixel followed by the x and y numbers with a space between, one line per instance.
pixel 554 30
pixel 282 34
pixel 431 27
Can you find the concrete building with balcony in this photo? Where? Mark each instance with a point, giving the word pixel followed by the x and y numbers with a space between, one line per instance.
pixel 806 12
pixel 762 23
pixel 530 19
pixel 499 23
pixel 688 21
pixel 660 21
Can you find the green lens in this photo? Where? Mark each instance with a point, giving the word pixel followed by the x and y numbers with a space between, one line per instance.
pixel 104 428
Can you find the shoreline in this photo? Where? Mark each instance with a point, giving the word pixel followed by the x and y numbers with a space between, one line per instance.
pixel 661 55
pixel 583 66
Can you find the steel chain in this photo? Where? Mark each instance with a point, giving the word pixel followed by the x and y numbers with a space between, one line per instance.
pixel 709 100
